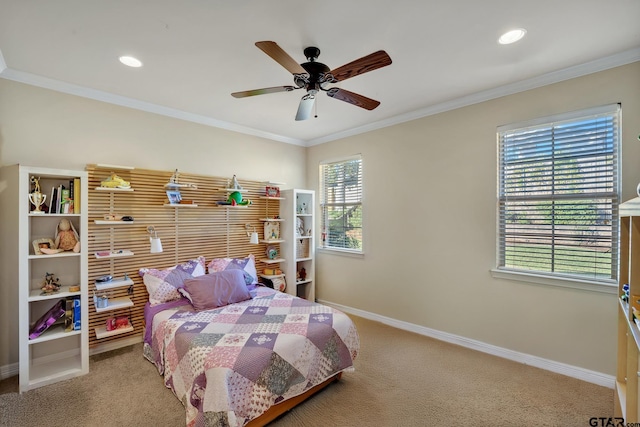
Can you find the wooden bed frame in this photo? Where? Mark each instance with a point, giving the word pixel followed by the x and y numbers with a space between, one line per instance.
pixel 276 410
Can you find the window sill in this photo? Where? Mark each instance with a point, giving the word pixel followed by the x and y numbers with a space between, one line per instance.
pixel 608 287
pixel 341 252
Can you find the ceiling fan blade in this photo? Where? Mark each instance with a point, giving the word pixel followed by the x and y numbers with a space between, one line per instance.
pixel 305 107
pixel 281 57
pixel 353 98
pixel 363 65
pixel 263 91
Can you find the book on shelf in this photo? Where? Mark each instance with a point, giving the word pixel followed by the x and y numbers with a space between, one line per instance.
pixel 59 203
pixel 53 201
pixel 66 203
pixel 72 319
pixel 76 195
pixel 77 320
pixel 68 316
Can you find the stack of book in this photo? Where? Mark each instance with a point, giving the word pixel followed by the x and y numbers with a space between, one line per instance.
pixel 65 199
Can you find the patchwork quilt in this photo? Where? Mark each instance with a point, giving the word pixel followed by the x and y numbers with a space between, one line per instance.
pixel 229 365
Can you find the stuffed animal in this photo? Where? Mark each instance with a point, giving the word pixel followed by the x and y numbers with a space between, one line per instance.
pixel 235 199
pixel 67 237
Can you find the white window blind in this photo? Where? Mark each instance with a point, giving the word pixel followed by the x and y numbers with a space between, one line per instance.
pixel 558 194
pixel 341 204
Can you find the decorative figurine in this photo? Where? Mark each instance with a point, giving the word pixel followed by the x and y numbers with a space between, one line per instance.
pixel 50 285
pixel 234 184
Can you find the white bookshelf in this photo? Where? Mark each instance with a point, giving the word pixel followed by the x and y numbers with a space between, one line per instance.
pixel 54 355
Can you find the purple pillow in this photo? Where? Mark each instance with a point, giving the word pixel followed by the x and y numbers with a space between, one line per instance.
pixel 162 285
pixel 216 289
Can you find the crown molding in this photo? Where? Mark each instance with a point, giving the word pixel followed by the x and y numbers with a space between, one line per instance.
pixel 59 86
pixel 602 64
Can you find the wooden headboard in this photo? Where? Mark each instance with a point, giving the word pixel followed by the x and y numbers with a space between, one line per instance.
pixel 186 232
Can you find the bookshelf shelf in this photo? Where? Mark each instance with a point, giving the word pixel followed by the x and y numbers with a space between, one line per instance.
pixel 53 333
pixel 61 215
pixel 116 304
pixel 113 254
pixel 54 355
pixel 58 255
pixel 271 276
pixel 114 222
pixel 101 331
pixel 272 261
pixel 116 190
pixel 36 294
pixel 103 286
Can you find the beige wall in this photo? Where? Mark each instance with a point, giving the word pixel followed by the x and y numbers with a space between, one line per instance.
pixel 39 127
pixel 430 215
pixel 430 190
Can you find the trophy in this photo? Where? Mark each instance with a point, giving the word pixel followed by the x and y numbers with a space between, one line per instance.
pixel 36 197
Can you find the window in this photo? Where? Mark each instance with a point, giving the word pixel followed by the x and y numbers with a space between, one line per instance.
pixel 558 195
pixel 341 204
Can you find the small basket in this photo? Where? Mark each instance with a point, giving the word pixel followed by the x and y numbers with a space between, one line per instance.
pixel 302 248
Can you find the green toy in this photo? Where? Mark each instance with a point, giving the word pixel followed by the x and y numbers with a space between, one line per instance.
pixel 235 199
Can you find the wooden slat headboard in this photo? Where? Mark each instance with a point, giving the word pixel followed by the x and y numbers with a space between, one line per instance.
pixel 185 232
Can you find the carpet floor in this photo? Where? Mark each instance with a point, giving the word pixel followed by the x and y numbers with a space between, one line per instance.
pixel 401 379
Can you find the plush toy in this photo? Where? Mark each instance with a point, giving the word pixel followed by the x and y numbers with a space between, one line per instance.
pixel 114 181
pixel 67 237
pixel 235 199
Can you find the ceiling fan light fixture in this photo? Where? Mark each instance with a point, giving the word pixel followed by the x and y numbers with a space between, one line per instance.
pixel 130 61
pixel 512 36
pixel 314 76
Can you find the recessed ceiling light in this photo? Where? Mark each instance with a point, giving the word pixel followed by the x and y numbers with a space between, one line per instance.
pixel 131 61
pixel 512 36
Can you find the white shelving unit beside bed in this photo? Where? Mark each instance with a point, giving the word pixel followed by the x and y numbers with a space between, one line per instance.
pixel 298 247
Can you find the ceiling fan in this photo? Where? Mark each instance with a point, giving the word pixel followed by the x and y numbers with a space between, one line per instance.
pixel 315 76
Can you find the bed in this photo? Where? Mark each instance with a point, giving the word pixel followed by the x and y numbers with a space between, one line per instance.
pixel 249 361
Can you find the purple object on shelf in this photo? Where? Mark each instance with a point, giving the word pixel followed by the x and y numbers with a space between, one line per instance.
pixel 48 319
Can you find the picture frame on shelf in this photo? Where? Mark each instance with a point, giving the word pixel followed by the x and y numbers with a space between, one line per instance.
pixel 271 191
pixel 174 197
pixel 39 244
pixel 271 230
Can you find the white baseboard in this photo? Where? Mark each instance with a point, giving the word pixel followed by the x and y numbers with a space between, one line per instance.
pixel 527 359
pixel 550 365
pixel 13 369
pixel 10 370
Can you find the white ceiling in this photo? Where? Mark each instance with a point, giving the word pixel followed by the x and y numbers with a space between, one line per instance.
pixel 195 53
